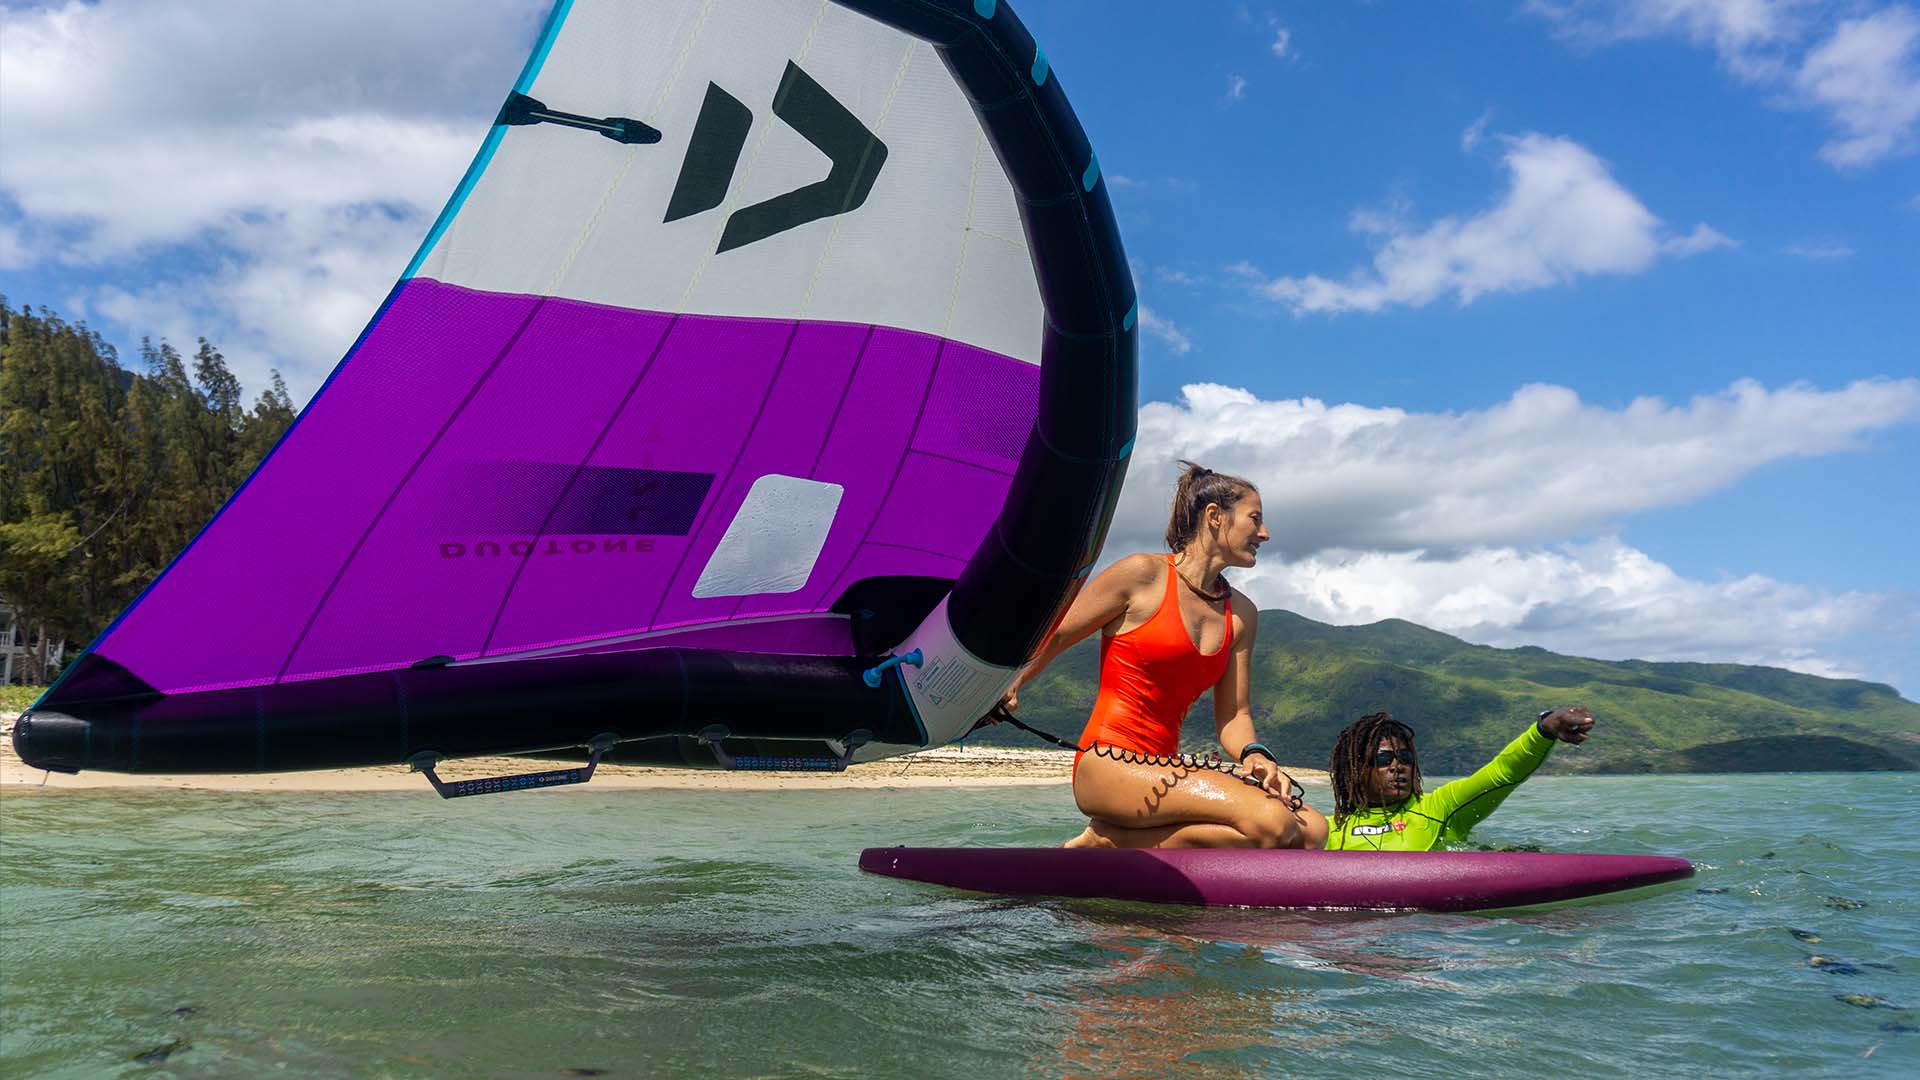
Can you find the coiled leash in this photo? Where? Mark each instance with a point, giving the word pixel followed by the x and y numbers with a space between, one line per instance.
pixel 1003 715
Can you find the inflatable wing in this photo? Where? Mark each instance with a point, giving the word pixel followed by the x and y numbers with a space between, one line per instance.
pixel 764 341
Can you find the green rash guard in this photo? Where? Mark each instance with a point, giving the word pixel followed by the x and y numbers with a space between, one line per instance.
pixel 1426 822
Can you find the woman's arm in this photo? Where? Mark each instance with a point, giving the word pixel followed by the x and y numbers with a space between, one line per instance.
pixel 1102 602
pixel 1232 696
pixel 1233 708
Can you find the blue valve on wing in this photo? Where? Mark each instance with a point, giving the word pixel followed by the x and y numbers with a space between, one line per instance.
pixel 872 675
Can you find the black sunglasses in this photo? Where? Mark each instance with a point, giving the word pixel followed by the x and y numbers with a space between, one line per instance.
pixel 1383 758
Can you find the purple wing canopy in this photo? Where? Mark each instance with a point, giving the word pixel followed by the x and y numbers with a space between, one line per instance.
pixel 760 341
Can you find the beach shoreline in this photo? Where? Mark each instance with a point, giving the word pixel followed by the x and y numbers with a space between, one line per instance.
pixel 940 767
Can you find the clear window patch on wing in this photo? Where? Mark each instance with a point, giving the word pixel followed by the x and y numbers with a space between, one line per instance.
pixel 773 542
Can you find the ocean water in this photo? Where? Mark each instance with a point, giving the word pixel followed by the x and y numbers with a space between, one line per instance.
pixel 633 933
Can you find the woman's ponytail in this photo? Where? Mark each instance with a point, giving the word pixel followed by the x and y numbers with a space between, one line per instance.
pixel 1198 487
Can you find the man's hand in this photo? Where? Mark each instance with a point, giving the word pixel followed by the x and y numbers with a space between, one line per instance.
pixel 1567 725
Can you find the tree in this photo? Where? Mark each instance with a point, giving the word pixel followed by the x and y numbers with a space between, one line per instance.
pixel 60 391
pixel 105 474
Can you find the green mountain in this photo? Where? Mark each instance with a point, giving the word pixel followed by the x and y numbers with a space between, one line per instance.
pixel 1466 701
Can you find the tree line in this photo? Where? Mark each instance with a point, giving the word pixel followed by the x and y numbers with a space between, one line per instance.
pixel 105 472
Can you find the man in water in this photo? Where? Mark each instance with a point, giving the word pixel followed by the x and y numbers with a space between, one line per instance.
pixel 1377 803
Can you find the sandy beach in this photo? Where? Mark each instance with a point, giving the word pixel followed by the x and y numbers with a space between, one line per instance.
pixel 941 767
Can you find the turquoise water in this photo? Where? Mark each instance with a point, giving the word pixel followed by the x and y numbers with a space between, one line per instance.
pixel 641 933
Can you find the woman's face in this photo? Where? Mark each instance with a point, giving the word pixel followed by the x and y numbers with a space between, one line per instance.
pixel 1242 530
pixel 1391 782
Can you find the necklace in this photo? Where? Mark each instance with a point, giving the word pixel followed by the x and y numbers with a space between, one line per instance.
pixel 1211 598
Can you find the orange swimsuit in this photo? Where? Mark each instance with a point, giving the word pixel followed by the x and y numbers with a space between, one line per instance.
pixel 1149 677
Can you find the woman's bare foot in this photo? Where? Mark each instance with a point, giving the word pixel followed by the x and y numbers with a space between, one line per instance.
pixel 1088 838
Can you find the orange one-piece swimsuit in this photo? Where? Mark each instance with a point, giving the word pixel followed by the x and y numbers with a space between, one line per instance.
pixel 1149 677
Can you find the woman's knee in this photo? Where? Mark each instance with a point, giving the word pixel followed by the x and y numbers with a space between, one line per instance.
pixel 1272 825
pixel 1313 828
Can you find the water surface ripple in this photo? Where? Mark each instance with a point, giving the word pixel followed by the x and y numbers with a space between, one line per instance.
pixel 676 933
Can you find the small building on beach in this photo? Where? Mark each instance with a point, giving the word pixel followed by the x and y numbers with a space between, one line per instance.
pixel 16 649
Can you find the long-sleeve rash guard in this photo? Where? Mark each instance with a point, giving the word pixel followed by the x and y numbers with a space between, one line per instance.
pixel 1426 822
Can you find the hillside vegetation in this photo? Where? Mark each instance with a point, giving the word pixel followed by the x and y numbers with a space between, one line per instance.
pixel 1466 701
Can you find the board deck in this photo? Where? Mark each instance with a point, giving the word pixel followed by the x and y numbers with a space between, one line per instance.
pixel 1323 880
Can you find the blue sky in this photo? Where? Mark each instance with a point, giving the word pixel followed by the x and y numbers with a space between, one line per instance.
pixel 1592 326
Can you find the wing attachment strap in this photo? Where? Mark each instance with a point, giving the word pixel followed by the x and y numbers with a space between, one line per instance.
pixel 714 738
pixel 426 760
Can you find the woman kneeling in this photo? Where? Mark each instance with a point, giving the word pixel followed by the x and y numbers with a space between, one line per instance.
pixel 1171 629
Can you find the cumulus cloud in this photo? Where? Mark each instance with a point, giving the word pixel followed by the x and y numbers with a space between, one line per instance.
pixel 292 160
pixel 1539 467
pixel 1472 522
pixel 1236 87
pixel 1862 72
pixel 1868 76
pixel 1162 328
pixel 1282 40
pixel 1744 34
pixel 1562 217
pixel 1602 598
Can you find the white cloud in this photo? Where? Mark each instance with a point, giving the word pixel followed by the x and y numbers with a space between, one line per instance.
pixel 1282 39
pixel 1864 75
pixel 1818 251
pixel 267 176
pixel 1868 76
pixel 1539 467
pixel 1704 237
pixel 1163 328
pixel 1472 523
pixel 1563 216
pixel 1475 132
pixel 1744 34
pixel 1602 599
pixel 1236 87
pixel 14 254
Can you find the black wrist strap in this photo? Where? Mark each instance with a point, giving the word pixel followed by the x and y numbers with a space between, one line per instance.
pixel 1257 748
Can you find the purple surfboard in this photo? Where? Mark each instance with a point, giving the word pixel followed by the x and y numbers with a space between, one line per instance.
pixel 1343 880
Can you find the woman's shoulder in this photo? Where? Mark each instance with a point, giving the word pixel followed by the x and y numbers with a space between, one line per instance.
pixel 1245 610
pixel 1143 568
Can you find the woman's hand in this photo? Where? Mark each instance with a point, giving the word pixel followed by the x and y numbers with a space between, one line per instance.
pixel 1567 725
pixel 1262 770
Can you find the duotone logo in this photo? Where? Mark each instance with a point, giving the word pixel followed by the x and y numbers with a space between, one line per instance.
pixel 713 154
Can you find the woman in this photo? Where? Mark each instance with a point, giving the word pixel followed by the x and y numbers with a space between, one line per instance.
pixel 1171 629
pixel 1377 804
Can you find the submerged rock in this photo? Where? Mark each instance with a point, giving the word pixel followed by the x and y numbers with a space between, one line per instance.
pixel 1807 936
pixel 1842 903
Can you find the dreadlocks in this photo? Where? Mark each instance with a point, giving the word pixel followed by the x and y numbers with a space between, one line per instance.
pixel 1351 763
